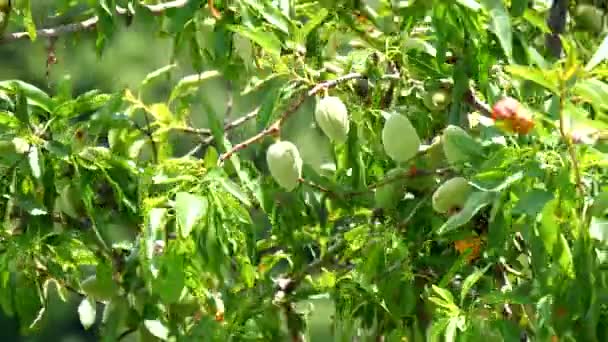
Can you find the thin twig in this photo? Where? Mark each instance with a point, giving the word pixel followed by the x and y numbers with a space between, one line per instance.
pixel 568 139
pixel 89 23
pixel 476 103
pixel 162 7
pixel 227 127
pixel 150 135
pixel 241 120
pixel 191 130
pixel 333 83
pixel 126 333
pixel 274 128
pixel 54 31
pixel 506 286
pixel 413 173
pixel 316 186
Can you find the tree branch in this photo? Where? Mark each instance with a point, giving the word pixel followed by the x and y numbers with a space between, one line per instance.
pixel 89 23
pixel 274 128
pixel 472 100
pixel 54 31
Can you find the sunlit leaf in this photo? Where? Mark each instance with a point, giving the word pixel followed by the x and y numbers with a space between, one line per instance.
pixel 267 40
pixel 157 328
pixel 599 56
pixel 28 20
pixel 476 201
pixel 190 83
pixel 470 280
pixel 189 209
pixel 548 228
pixel 500 24
pixel 87 312
pixel 471 4
pixel 546 78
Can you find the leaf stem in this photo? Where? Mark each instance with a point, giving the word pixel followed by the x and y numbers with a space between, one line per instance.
pixel 568 139
pixel 89 23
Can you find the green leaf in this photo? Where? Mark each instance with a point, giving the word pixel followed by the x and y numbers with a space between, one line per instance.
pixel 476 201
pixel 565 257
pixel 437 328
pixel 593 91
pixel 312 23
pixel 100 286
pixel 518 7
pixel 450 330
pixel 114 315
pixel 172 281
pixel 87 312
pixel 22 111
pixel 537 19
pixel 190 83
pixel 500 24
pixel 532 202
pixel 443 293
pixel 468 283
pixel 546 78
pixel 235 190
pixel 470 4
pixel 27 301
pixel 599 56
pixel 28 20
pixel 189 209
pixel 35 96
pixel 548 228
pixel 271 14
pixel 158 73
pixel 211 157
pixel 157 328
pixel 6 289
pixel 267 40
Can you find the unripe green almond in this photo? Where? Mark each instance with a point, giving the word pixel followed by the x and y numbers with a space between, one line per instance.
pixel 69 201
pixel 332 117
pixel 285 164
pixel 434 156
pixel 399 138
pixel 588 18
pixel 387 195
pixel 454 138
pixel 451 195
pixel 437 100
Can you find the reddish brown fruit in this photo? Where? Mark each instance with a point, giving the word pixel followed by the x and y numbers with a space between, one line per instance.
pixel 517 118
pixel 474 243
pixel 522 123
pixel 505 109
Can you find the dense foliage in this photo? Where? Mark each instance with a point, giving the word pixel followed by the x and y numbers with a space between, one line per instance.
pixel 434 168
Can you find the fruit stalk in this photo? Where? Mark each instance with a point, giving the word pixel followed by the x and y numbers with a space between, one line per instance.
pixel 568 139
